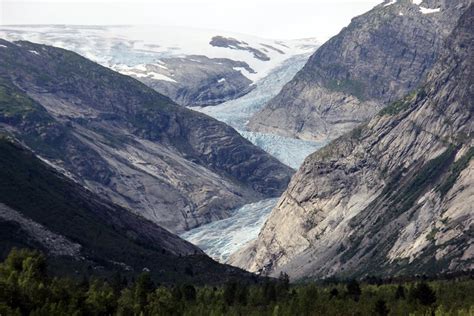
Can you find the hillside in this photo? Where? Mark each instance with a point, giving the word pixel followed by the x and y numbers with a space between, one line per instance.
pixel 83 234
pixel 130 144
pixel 392 197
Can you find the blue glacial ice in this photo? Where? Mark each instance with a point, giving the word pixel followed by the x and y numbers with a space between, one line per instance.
pixel 236 113
pixel 221 238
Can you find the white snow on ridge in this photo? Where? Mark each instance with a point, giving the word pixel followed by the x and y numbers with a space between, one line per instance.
pixel 145 44
pixel 390 3
pixel 417 2
pixel 429 11
pixel 3 46
pixel 158 76
pixel 140 71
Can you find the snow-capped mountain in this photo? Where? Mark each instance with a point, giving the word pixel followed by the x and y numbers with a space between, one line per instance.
pixel 191 66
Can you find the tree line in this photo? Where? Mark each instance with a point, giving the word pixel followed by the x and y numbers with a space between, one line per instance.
pixel 27 289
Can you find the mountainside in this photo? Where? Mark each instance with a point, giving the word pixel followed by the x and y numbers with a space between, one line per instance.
pixel 380 57
pixel 84 234
pixel 109 132
pixel 394 196
pixel 193 67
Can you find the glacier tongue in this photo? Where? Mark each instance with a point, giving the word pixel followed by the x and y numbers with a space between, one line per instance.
pixel 221 238
pixel 291 151
pixel 236 113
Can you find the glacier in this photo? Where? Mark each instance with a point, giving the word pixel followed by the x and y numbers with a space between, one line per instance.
pixel 129 49
pixel 236 113
pixel 221 238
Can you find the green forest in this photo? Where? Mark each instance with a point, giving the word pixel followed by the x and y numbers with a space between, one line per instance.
pixel 27 289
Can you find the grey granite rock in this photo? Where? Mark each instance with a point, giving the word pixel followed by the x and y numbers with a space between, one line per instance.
pixel 381 56
pixel 394 196
pixel 199 80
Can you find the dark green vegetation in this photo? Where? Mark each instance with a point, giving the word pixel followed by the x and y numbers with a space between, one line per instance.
pixel 456 168
pixel 403 104
pixel 111 238
pixel 26 289
pixel 352 87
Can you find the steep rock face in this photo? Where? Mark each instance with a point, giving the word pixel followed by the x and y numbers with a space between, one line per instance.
pixel 381 56
pixel 174 166
pixel 394 196
pixel 82 233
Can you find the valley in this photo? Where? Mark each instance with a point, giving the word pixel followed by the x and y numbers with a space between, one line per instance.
pixel 180 154
pixel 222 237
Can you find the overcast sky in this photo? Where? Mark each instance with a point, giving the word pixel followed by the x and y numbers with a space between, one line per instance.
pixel 281 19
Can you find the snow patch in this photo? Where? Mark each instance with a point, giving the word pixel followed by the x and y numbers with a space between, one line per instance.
pixel 140 71
pixel 390 3
pixel 158 76
pixel 140 67
pixel 417 2
pixel 3 46
pixel 429 11
pixel 221 80
pixel 34 52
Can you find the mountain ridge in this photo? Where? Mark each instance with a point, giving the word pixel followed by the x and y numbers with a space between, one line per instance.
pixel 380 57
pixel 123 140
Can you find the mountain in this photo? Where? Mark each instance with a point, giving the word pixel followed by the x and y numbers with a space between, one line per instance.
pixel 380 57
pixel 394 196
pixel 128 143
pixel 83 234
pixel 194 67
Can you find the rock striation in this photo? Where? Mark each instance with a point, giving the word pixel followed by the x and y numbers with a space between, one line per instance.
pixel 394 196
pixel 380 57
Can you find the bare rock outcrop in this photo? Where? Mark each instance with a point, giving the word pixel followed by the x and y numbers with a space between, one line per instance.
pixel 394 196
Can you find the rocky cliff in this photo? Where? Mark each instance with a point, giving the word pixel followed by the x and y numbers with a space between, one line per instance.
pixel 394 196
pixel 123 140
pixel 381 56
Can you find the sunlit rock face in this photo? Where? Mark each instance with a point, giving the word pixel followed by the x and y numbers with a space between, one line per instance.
pixel 394 196
pixel 381 56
